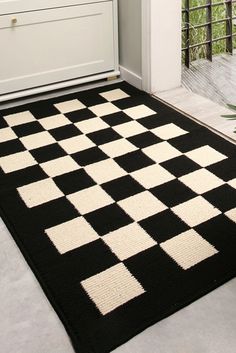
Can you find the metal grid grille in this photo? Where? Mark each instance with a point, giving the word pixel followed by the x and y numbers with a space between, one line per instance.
pixel 208 25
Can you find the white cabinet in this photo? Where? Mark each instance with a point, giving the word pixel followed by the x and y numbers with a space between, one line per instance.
pixel 44 46
pixel 13 6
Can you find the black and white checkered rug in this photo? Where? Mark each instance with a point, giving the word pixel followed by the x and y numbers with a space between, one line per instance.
pixel 124 208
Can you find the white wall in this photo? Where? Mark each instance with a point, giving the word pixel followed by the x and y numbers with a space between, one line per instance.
pixel 130 40
pixel 150 43
pixel 165 42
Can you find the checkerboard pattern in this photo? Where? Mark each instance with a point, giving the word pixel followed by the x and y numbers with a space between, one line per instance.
pixel 125 179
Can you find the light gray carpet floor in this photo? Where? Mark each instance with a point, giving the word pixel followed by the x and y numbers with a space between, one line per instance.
pixel 28 324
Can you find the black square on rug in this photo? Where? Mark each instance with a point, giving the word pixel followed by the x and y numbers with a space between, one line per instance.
pixel 124 208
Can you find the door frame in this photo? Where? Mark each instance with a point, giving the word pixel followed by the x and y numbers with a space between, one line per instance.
pixel 161 45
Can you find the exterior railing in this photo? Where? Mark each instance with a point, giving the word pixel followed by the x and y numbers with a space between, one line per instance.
pixel 208 25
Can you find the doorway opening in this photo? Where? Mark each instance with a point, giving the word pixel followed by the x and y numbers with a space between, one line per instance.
pixel 208 49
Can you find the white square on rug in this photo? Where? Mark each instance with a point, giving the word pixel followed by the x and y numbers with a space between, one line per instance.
pixel 7 134
pixel 205 156
pixel 128 241
pixel 91 125
pixel 38 193
pixel 97 197
pixel 52 122
pixel 105 171
pixel 69 106
pixel 196 211
pixel 188 249
pixel 114 95
pixel 71 235
pixel 232 183
pixel 231 214
pixel 76 144
pixel 161 152
pixel 168 131
pixel 112 288
pixel 142 205
pixel 19 118
pixel 151 176
pixel 201 181
pixel 17 161
pixel 104 109
pixel 59 166
pixel 117 148
pixel 129 129
pixel 37 140
pixel 138 112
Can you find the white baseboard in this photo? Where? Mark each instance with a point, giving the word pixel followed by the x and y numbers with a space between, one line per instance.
pixel 131 77
pixel 58 93
pixel 57 86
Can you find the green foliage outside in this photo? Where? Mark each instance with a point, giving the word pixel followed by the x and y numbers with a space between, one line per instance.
pixel 199 35
pixel 231 116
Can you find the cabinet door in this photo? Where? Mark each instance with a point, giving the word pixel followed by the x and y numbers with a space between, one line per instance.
pixel 13 6
pixel 43 47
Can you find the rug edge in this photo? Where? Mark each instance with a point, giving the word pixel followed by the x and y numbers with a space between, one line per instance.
pixel 78 346
pixel 175 308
